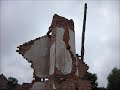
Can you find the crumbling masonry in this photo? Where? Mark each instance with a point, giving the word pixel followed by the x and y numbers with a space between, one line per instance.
pixel 54 57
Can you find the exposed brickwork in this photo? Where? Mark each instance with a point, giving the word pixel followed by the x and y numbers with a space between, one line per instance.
pixel 58 80
pixel 59 21
pixel 22 49
pixel 69 81
pixel 82 67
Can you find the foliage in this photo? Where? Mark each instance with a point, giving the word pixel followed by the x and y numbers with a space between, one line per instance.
pixel 12 82
pixel 93 78
pixel 114 80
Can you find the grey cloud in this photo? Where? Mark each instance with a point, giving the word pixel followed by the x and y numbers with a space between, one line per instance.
pixel 22 21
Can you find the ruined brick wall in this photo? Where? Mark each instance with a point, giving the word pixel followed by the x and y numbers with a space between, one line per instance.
pixel 54 56
pixel 71 82
pixel 62 39
pixel 38 53
pixel 81 67
pixel 66 68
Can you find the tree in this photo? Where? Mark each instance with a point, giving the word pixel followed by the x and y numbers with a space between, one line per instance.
pixel 12 82
pixel 114 79
pixel 93 78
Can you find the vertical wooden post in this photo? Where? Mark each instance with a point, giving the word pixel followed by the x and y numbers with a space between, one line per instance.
pixel 83 32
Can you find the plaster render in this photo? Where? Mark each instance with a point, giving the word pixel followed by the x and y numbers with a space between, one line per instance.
pixel 39 58
pixel 54 57
pixel 59 56
pixel 72 42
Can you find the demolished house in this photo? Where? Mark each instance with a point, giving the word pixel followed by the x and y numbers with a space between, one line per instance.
pixel 53 57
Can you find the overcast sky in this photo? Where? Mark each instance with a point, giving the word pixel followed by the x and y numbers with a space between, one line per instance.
pixel 22 21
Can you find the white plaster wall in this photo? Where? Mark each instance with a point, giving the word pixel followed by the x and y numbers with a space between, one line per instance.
pixel 59 56
pixel 52 59
pixel 60 49
pixel 72 42
pixel 38 86
pixel 39 54
pixel 68 63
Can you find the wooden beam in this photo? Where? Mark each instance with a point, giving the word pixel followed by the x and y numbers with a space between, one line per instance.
pixel 83 32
